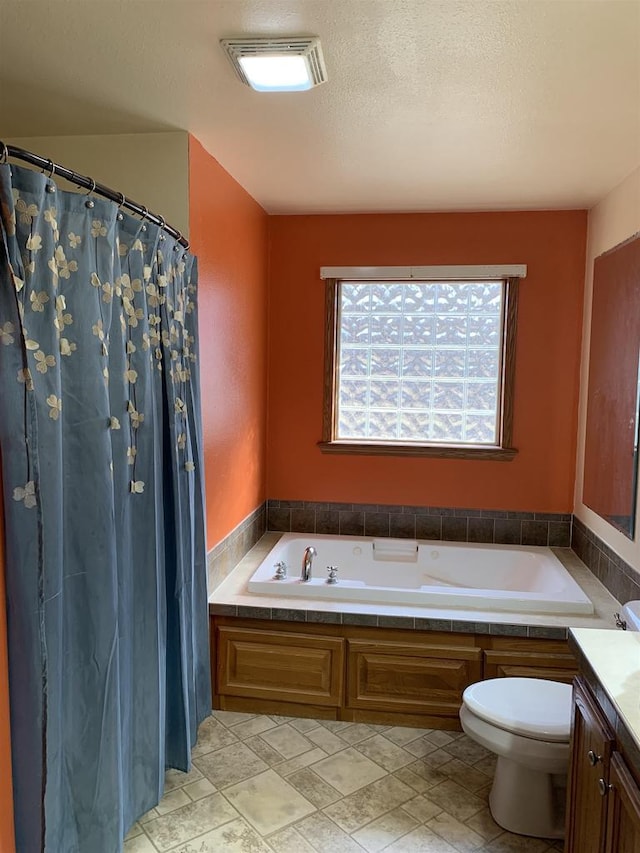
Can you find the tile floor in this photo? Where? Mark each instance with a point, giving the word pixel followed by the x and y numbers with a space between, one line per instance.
pixel 267 784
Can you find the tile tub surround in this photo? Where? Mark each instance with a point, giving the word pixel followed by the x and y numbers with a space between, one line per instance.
pixel 612 571
pixel 419 522
pixel 226 555
pixel 232 599
pixel 271 784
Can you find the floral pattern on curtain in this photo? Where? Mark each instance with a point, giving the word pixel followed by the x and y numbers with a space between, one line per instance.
pixel 101 449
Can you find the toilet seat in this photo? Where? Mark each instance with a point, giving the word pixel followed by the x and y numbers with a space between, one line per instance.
pixel 529 707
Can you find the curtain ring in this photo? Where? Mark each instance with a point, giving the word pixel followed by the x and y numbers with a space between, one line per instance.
pixel 178 238
pixel 90 203
pixel 162 223
pixel 120 214
pixel 144 214
pixel 51 166
pixel 5 153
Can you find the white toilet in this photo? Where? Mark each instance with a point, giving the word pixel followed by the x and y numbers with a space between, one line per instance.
pixel 526 722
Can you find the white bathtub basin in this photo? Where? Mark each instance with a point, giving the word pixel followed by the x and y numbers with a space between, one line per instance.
pixel 431 574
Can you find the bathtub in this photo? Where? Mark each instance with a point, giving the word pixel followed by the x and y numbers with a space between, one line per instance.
pixel 423 573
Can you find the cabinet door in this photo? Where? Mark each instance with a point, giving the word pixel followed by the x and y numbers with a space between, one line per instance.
pixel 282 666
pixel 623 813
pixel 591 747
pixel 412 678
pixel 529 658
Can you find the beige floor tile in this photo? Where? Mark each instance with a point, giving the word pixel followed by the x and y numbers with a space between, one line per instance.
pixel 356 810
pixel 421 840
pixel 303 725
pixel 509 843
pixel 172 801
pixel 401 735
pixel 466 750
pixel 287 741
pixel 189 822
pixel 422 808
pixel 420 747
pixel 456 833
pixel 456 800
pixel 467 776
pixel 232 718
pixel 348 770
pixel 326 740
pixel 483 823
pixel 262 749
pixel 253 727
pixel 487 765
pixel 305 760
pixel 234 837
pixel 289 840
pixel 418 783
pixel 177 779
pixel 212 735
pixel 431 776
pixel 385 753
pixel 230 765
pixel 381 832
pixel 268 802
pixel 279 719
pixel 315 789
pixel 355 732
pixel 139 844
pixel 325 837
pixel 440 738
pixel 198 790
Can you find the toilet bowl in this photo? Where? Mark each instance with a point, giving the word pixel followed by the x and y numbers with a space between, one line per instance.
pixel 526 722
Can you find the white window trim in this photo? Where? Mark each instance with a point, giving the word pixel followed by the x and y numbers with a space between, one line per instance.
pixel 482 272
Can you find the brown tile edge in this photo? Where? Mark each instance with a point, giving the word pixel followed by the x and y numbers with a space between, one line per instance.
pixel 619 578
pixel 410 623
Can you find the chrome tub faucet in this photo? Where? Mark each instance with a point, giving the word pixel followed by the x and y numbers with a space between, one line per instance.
pixel 307 560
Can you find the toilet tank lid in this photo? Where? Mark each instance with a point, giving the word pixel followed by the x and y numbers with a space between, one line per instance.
pixel 531 707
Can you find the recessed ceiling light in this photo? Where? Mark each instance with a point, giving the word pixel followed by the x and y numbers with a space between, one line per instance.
pixel 277 65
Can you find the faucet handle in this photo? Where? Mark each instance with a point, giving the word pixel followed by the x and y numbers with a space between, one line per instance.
pixel 333 574
pixel 281 571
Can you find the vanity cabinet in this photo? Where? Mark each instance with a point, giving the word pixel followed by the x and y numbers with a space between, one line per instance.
pixel 603 798
pixel 358 673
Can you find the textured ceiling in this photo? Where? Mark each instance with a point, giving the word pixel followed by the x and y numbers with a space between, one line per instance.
pixel 429 105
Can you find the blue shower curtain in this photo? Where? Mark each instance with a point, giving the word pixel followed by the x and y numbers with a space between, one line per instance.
pixel 100 440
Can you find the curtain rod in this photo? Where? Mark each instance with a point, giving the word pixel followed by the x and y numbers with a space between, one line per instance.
pixel 89 184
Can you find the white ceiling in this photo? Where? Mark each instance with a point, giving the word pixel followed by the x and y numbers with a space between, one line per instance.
pixel 479 104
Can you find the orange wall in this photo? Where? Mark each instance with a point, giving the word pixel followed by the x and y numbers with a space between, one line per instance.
pixel 541 478
pixel 7 844
pixel 228 232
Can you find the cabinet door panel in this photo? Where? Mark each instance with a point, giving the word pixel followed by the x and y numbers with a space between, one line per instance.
pixel 282 666
pixel 623 813
pixel 410 678
pixel 591 747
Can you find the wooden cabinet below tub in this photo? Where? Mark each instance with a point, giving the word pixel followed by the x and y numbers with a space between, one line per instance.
pixel 529 657
pixel 281 666
pixel 352 673
pixel 424 677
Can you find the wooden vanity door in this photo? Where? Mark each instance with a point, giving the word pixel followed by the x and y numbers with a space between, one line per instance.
pixel 591 748
pixel 623 814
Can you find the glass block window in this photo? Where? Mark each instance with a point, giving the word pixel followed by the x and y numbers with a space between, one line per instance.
pixel 419 362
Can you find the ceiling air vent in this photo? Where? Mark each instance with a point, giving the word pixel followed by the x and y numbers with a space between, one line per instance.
pixel 277 64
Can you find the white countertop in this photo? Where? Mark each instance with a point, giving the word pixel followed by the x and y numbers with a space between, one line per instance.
pixel 615 659
pixel 233 591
